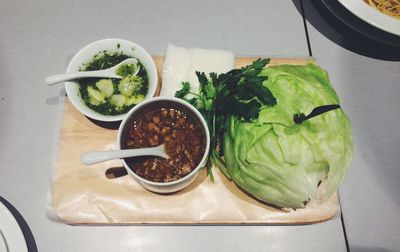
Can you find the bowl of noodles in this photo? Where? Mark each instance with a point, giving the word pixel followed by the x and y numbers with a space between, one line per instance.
pixel 382 14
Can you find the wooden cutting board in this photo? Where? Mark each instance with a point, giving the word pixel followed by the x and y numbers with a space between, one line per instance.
pixel 105 194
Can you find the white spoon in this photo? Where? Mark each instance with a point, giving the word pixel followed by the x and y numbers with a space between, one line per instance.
pixel 95 157
pixel 105 73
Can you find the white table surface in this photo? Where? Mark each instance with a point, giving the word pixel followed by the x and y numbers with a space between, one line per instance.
pixel 369 90
pixel 36 38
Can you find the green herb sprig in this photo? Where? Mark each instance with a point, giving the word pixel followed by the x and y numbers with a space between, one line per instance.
pixel 239 93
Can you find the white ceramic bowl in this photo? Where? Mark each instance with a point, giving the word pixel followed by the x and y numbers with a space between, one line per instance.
pixel 372 16
pixel 86 54
pixel 146 106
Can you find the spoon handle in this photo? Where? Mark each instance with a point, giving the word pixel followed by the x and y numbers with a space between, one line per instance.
pixel 95 157
pixel 69 76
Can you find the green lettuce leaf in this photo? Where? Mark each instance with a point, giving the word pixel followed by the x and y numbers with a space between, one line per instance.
pixel 284 163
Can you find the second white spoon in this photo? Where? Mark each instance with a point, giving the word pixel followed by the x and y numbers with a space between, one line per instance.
pixel 95 157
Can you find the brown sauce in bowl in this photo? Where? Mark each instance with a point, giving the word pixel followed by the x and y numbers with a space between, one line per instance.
pixel 182 136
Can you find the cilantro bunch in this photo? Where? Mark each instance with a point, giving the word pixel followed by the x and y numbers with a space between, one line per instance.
pixel 239 93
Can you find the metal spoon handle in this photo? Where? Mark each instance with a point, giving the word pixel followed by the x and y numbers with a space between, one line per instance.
pixel 299 118
pixel 95 157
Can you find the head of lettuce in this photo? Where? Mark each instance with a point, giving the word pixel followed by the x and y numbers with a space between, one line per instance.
pixel 284 163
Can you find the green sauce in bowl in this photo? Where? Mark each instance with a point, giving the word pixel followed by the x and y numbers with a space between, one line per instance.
pixel 113 96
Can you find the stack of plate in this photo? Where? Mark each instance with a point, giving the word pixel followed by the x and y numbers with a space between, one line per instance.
pixel 11 235
pixel 366 20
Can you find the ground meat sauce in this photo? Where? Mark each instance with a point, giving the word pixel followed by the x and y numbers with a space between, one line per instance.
pixel 183 138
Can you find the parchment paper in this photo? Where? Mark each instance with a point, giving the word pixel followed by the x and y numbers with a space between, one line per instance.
pixel 85 195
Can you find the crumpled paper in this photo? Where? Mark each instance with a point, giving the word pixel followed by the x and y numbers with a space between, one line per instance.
pixel 89 195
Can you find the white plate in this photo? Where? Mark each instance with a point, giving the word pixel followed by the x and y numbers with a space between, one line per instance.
pixel 11 234
pixel 372 16
pixel 3 245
